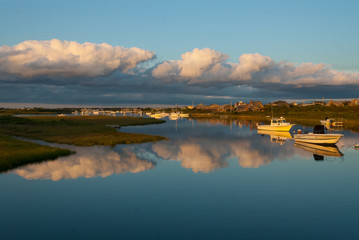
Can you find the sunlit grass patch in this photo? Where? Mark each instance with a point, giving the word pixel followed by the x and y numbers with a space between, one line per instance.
pixel 77 130
pixel 15 153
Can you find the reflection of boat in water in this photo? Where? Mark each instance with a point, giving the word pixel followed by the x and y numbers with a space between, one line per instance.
pixel 320 150
pixel 276 124
pixel 184 115
pixel 276 136
pixel 330 123
pixel 327 122
pixel 276 133
pixel 319 136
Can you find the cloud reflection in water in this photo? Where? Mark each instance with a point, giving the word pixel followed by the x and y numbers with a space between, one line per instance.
pixel 210 153
pixel 203 148
pixel 88 162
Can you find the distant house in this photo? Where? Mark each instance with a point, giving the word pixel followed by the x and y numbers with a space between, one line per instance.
pixel 306 104
pixel 241 108
pixel 255 106
pixel 252 106
pixel 332 103
pixel 319 103
pixel 227 107
pixel 215 107
pixel 281 104
pixel 354 102
pixel 239 104
pixel 202 106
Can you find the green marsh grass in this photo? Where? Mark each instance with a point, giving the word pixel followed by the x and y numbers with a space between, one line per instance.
pixel 15 153
pixel 77 130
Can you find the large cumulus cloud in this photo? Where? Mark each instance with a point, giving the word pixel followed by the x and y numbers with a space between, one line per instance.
pixel 210 68
pixel 56 58
pixel 66 71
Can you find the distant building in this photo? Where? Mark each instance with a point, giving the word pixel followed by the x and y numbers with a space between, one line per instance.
pixel 319 103
pixel 215 107
pixel 306 104
pixel 255 106
pixel 202 106
pixel 227 107
pixel 241 108
pixel 239 104
pixel 332 103
pixel 281 104
pixel 354 102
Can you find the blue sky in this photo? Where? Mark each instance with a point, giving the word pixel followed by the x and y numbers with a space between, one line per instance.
pixel 293 31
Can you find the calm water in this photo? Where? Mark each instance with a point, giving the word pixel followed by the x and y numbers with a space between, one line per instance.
pixel 213 179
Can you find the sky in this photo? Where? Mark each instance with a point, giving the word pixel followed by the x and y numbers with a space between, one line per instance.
pixel 177 52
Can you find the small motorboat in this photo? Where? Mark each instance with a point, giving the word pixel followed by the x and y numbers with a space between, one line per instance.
pixel 319 136
pixel 328 122
pixel 276 124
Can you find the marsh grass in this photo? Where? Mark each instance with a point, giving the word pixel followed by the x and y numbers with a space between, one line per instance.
pixel 77 130
pixel 15 153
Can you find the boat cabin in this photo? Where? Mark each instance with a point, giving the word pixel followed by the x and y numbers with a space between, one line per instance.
pixel 278 121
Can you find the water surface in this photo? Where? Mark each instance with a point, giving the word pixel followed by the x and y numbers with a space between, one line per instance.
pixel 213 179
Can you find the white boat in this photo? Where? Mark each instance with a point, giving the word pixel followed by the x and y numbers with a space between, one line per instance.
pixel 319 136
pixel 327 122
pixel 331 123
pixel 277 124
pixel 174 116
pixel 183 115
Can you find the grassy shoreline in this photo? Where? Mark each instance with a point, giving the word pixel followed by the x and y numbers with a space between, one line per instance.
pixel 15 153
pixel 77 130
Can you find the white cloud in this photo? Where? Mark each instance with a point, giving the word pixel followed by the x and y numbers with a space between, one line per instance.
pixel 196 67
pixel 248 64
pixel 209 67
pixel 200 61
pixel 56 58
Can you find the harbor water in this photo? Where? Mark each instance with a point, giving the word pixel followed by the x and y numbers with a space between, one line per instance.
pixel 212 179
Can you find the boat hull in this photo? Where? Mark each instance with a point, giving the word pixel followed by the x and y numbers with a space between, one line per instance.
pixel 281 128
pixel 326 139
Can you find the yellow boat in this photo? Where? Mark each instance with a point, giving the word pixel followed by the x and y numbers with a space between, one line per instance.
pixel 277 124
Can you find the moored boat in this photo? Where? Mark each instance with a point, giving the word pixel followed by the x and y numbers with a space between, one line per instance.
pixel 277 124
pixel 328 122
pixel 319 136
